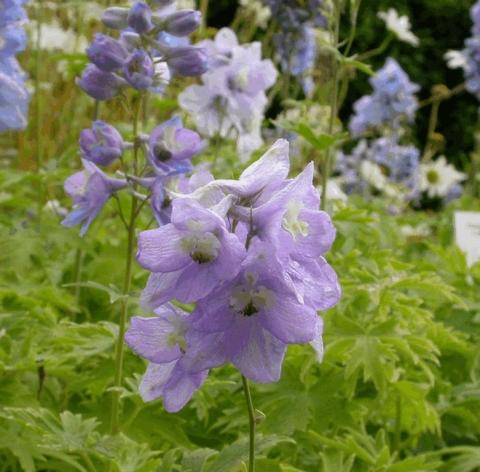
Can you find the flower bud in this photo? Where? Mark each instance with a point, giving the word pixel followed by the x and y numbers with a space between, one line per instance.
pixel 101 144
pixel 106 53
pixel 115 18
pixel 140 18
pixel 139 70
pixel 187 61
pixel 182 22
pixel 99 84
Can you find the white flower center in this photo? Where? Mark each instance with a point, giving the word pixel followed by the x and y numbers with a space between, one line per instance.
pixel 292 223
pixel 202 247
pixel 248 299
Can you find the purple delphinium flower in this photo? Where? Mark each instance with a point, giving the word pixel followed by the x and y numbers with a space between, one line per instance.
pixel 182 22
pixel 14 100
pixel 232 99
pixel 99 84
pixel 295 39
pixel 250 320
pixel 392 101
pixel 190 256
pixel 90 190
pixel 171 146
pixel 14 97
pixel 395 164
pixel 187 61
pixel 472 66
pixel 161 340
pixel 140 17
pixel 475 16
pixel 101 144
pixel 107 53
pixel 139 70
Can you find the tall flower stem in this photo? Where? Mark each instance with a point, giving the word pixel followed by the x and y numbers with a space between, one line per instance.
pixel 251 420
pixel 204 12
pixel 38 104
pixel 127 283
pixel 333 107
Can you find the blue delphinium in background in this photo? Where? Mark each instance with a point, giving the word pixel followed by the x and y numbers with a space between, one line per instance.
pixel 392 102
pixel 14 97
pixel 295 40
pixel 231 101
pixel 382 165
pixel 471 54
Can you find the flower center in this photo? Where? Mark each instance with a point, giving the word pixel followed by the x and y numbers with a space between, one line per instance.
pixel 201 247
pixel 161 153
pixel 248 299
pixel 292 223
pixel 432 176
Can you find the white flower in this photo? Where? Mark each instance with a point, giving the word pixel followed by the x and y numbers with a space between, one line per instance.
pixel 398 25
pixel 334 191
pixel 54 38
pixel 438 177
pixel 259 12
pixel 455 59
pixel 372 173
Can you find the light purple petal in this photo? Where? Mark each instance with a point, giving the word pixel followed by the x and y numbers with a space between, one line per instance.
pixel 149 337
pixel 159 250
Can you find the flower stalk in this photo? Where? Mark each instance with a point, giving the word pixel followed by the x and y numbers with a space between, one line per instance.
pixel 251 421
pixel 127 283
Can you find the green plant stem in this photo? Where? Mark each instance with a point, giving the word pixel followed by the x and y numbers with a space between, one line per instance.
pixel 376 51
pixel 78 273
pixel 38 107
pixel 127 283
pixel 333 111
pixel 251 420
pixel 204 12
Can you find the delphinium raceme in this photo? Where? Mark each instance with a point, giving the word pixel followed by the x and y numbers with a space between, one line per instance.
pixel 391 104
pixel 249 254
pixel 295 39
pixel 149 51
pixel 14 97
pixel 471 54
pixel 230 103
pixel 380 166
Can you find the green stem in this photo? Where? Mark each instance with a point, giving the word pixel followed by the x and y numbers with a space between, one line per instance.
pixel 333 111
pixel 38 107
pixel 376 51
pixel 204 12
pixel 78 273
pixel 127 283
pixel 251 419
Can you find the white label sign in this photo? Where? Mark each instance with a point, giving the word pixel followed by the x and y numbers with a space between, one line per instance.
pixel 467 234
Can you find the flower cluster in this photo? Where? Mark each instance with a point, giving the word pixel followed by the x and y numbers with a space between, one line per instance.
pixel 392 101
pixel 14 97
pixel 231 101
pixel 249 254
pixel 295 40
pixel 152 46
pixel 383 166
pixel 168 150
pixel 471 54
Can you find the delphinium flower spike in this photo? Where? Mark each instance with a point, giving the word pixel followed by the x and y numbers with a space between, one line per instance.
pixel 14 97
